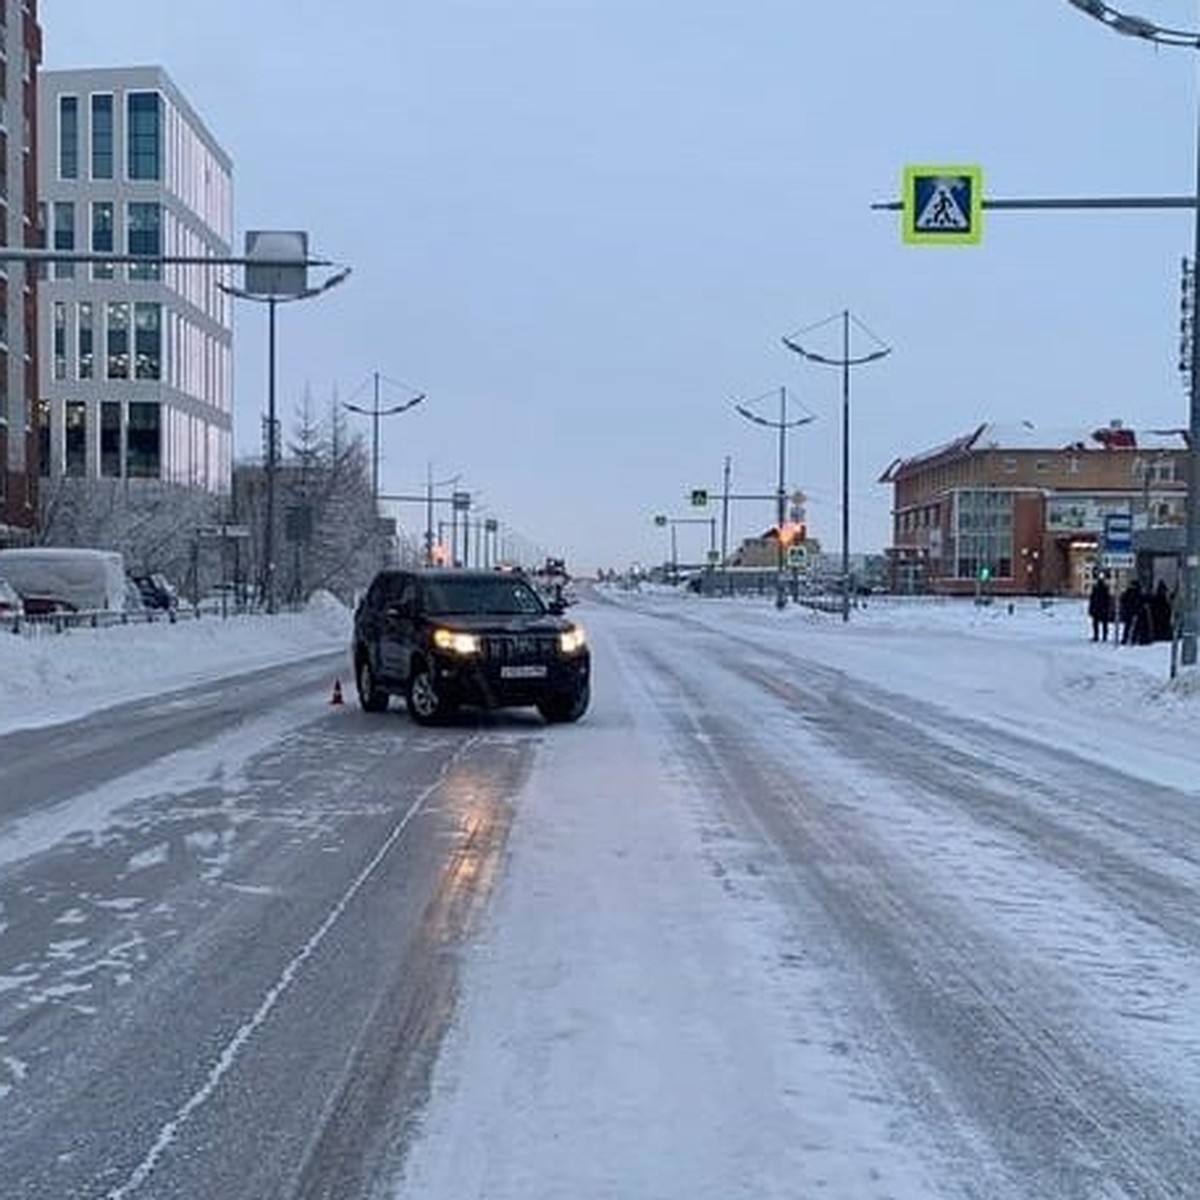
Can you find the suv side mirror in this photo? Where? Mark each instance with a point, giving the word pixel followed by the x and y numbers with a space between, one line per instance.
pixel 557 606
pixel 400 608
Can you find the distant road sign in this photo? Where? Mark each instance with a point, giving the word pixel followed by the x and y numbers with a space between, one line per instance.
pixel 1118 533
pixel 699 497
pixel 660 518
pixel 943 205
pixel 1117 562
pixel 797 556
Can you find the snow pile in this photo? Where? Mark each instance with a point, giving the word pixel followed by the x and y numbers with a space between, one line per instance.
pixel 47 676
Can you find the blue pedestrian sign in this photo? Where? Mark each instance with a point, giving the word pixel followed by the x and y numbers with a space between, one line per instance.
pixel 1118 533
pixel 943 205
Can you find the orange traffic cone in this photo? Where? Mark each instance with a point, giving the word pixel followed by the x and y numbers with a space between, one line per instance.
pixel 337 692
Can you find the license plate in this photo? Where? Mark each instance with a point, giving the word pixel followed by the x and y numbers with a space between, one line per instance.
pixel 531 672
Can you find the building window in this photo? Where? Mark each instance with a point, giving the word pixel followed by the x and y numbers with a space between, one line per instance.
pixel 86 344
pixel 102 137
pixel 43 413
pixel 75 442
pixel 118 341
pixel 144 132
pixel 984 533
pixel 144 236
pixel 102 237
pixel 147 334
pixel 1041 466
pixel 64 236
pixel 60 340
pixel 143 449
pixel 110 439
pixel 1073 465
pixel 68 137
pixel 1010 466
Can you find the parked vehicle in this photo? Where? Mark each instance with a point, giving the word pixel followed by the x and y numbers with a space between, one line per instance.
pixel 156 591
pixel 443 637
pixel 11 604
pixel 61 579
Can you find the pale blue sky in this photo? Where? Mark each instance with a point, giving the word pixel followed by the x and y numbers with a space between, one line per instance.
pixel 582 227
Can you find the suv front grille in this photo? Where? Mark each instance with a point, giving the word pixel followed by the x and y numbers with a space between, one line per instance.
pixel 520 647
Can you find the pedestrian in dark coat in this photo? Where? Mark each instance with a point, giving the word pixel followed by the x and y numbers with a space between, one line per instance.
pixel 1100 609
pixel 1160 613
pixel 1135 617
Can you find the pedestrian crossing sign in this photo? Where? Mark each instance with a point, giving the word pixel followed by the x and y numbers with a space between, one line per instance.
pixel 943 205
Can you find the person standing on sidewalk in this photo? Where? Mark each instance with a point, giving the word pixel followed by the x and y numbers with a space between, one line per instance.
pixel 1100 609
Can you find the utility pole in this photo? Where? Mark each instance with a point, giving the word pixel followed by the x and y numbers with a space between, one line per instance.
pixel 845 363
pixel 725 516
pixel 782 425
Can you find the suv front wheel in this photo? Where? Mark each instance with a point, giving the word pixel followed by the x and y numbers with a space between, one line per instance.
pixel 426 705
pixel 558 710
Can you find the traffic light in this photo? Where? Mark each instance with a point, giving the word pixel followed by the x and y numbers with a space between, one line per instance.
pixel 660 519
pixel 699 497
pixel 985 573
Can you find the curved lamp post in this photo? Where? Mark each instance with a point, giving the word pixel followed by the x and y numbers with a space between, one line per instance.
pixel 794 344
pixel 1139 27
pixel 375 413
pixel 272 300
pixel 782 425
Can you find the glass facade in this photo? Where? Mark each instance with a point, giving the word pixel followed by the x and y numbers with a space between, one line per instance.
pixel 110 439
pixel 68 137
pixel 144 236
pixel 984 533
pixel 75 439
pixel 143 450
pixel 64 236
pixel 102 137
pixel 85 338
pixel 145 347
pixel 144 135
pixel 43 433
pixel 60 340
pixel 147 334
pixel 117 331
pixel 102 236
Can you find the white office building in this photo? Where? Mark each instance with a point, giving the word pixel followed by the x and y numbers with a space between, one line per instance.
pixel 136 370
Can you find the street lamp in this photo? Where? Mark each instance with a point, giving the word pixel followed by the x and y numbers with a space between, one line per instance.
pixel 845 363
pixel 1139 27
pixel 271 284
pixel 375 412
pixel 782 425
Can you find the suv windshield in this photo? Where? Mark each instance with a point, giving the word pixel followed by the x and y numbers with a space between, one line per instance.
pixel 503 596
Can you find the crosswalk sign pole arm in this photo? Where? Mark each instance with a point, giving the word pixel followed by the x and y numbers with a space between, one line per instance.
pixel 1064 202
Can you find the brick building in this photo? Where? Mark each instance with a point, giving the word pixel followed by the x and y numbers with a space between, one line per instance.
pixel 1022 509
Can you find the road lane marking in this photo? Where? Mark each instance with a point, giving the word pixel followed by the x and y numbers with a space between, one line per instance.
pixel 228 1057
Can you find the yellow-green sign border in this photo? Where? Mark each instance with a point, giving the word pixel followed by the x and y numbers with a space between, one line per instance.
pixel 908 213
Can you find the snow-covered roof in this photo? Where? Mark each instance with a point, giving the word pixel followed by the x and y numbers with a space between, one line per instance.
pixel 1027 436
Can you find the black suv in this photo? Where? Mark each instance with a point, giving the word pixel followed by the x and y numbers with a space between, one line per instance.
pixel 442 638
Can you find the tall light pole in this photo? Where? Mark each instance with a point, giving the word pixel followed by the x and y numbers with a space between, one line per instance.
pixel 846 362
pixel 272 278
pixel 375 413
pixel 1139 27
pixel 782 425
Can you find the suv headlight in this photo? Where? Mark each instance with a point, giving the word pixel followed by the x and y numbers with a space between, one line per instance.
pixel 455 641
pixel 572 640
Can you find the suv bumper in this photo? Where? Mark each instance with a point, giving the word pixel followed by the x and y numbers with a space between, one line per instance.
pixel 487 685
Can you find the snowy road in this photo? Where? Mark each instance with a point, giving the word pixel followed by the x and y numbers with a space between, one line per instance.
pixel 830 940
pixel 888 911
pixel 223 957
